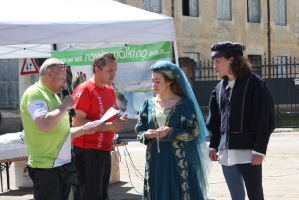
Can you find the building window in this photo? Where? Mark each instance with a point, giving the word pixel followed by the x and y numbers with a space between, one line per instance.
pixel 280 70
pixel 280 12
pixel 190 8
pixel 152 5
pixel 9 80
pixel 256 61
pixel 253 11
pixel 195 57
pixel 224 10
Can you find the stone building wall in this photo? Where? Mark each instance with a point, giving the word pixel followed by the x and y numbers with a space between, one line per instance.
pixel 197 34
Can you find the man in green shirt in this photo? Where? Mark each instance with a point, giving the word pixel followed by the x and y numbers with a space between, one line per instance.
pixel 47 131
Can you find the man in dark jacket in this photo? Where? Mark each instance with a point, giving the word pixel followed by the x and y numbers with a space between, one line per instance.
pixel 241 120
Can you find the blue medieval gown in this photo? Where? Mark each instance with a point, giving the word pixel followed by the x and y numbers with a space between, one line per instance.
pixel 173 173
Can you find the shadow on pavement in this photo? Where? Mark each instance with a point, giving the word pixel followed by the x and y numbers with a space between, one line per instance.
pixel 17 192
pixel 118 192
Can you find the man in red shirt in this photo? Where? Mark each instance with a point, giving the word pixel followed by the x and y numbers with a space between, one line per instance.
pixel 92 152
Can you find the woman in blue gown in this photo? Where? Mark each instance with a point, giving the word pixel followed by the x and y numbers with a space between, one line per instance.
pixel 172 127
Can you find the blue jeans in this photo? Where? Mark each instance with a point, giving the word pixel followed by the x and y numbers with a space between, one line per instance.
pixel 237 175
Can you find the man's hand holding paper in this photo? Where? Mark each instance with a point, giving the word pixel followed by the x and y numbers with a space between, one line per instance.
pixel 119 123
pixel 116 125
pixel 110 113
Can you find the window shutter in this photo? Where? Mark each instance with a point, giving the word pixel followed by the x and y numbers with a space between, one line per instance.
pixel 146 5
pixel 280 12
pixel 193 6
pixel 219 9
pixel 156 6
pixel 226 10
pixel 254 11
pixel 152 5
pixel 9 80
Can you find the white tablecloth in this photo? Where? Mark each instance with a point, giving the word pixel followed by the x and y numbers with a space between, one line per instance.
pixel 11 151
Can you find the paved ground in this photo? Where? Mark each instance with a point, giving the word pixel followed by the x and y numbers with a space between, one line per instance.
pixel 280 173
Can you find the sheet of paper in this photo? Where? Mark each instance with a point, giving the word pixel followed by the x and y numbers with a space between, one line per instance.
pixel 110 113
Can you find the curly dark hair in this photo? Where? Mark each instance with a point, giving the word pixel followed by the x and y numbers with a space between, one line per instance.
pixel 241 67
pixel 174 86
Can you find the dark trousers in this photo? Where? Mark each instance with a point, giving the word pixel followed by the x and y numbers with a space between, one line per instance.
pixel 47 184
pixel 237 175
pixel 94 168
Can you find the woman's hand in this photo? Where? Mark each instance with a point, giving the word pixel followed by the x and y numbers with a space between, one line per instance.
pixel 164 131
pixel 161 132
pixel 150 134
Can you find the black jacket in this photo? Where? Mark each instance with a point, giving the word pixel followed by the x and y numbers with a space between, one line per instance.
pixel 251 117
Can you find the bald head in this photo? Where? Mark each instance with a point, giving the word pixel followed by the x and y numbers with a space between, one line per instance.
pixel 50 62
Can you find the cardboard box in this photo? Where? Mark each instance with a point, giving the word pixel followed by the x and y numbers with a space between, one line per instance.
pixel 115 173
pixel 21 175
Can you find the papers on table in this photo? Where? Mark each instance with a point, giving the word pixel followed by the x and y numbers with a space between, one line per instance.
pixel 12 138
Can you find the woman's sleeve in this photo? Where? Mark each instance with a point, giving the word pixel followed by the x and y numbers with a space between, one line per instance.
pixel 264 117
pixel 213 121
pixel 188 128
pixel 142 123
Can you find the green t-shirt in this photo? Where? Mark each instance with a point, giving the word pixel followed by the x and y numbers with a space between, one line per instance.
pixel 45 149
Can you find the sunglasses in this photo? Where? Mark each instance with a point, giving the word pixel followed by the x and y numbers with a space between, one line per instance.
pixel 57 65
pixel 105 56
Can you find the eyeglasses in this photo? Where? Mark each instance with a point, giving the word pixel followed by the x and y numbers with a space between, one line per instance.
pixel 57 65
pixel 105 56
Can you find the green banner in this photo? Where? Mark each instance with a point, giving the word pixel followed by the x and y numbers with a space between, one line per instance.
pixel 128 53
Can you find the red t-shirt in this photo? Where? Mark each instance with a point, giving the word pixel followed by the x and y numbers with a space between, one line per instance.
pixel 94 102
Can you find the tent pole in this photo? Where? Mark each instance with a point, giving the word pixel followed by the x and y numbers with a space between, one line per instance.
pixel 175 53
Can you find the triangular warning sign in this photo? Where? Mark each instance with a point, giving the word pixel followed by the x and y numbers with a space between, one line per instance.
pixel 29 67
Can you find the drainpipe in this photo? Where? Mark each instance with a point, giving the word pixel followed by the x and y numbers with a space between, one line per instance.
pixel 269 31
pixel 174 43
pixel 172 9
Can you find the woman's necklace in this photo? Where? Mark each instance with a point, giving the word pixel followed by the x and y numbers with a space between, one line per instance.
pixel 161 111
pixel 160 108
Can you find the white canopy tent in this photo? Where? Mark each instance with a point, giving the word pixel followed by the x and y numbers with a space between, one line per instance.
pixel 30 28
